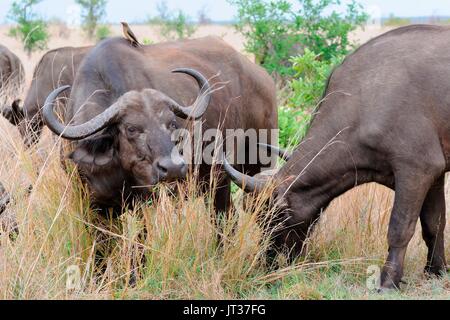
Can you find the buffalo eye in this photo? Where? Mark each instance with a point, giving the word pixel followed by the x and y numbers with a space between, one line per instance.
pixel 132 131
pixel 173 125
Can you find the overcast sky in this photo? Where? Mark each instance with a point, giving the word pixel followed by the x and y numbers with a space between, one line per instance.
pixel 219 10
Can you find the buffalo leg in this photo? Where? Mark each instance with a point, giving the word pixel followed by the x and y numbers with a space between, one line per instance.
pixel 433 222
pixel 222 205
pixel 410 192
pixel 222 199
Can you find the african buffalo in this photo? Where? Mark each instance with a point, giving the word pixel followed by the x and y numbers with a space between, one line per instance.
pixel 126 102
pixel 12 73
pixel 57 67
pixel 385 118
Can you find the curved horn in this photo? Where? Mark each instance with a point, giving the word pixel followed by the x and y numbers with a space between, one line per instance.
pixel 198 109
pixel 80 131
pixel 282 153
pixel 247 183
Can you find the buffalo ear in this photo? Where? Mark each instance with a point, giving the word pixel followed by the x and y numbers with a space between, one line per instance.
pixel 14 114
pixel 98 151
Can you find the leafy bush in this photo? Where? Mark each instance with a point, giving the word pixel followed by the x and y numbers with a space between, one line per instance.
pixel 30 29
pixel 267 32
pixel 173 26
pixel 394 21
pixel 177 27
pixel 147 41
pixel 275 31
pixel 92 13
pixel 103 32
pixel 292 123
pixel 318 38
pixel 305 93
pixel 311 74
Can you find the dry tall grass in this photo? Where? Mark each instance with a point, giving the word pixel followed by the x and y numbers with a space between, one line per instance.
pixel 167 249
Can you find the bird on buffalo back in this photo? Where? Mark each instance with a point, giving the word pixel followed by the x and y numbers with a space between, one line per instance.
pixel 129 35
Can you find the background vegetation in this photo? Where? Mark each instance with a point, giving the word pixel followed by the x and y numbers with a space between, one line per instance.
pixel 274 31
pixel 174 25
pixel 92 13
pixel 30 29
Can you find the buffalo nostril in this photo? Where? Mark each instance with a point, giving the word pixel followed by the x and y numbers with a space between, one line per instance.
pixel 183 169
pixel 170 170
pixel 162 169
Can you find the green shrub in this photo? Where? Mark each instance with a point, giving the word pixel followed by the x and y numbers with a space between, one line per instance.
pixel 310 78
pixel 267 32
pixel 318 38
pixel 92 13
pixel 103 32
pixel 394 21
pixel 177 27
pixel 293 124
pixel 305 92
pixel 147 41
pixel 274 31
pixel 173 26
pixel 30 29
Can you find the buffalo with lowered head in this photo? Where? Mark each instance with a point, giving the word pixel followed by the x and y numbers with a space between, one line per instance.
pixel 384 118
pixel 126 102
pixel 56 68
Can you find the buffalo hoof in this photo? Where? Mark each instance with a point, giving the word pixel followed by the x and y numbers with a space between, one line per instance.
pixel 386 291
pixel 436 271
pixel 388 284
pixel 390 287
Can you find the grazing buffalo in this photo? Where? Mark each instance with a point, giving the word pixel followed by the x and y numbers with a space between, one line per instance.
pixel 385 118
pixel 57 67
pixel 126 102
pixel 12 73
